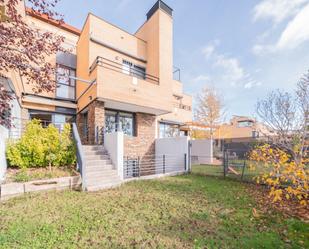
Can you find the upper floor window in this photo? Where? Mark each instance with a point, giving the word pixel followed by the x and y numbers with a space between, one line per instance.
pixel 255 134
pixel 65 82
pixel 247 123
pixel 134 70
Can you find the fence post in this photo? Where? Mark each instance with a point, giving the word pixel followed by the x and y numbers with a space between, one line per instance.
pixel 128 167
pixel 185 162
pixel 243 170
pixel 225 162
pixel 163 164
pixel 138 164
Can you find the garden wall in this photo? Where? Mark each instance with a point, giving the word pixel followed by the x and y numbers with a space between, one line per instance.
pixel 10 190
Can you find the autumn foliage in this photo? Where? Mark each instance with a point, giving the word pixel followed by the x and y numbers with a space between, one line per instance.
pixel 24 49
pixel 286 178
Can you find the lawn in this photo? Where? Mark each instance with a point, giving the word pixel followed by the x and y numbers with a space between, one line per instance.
pixel 191 211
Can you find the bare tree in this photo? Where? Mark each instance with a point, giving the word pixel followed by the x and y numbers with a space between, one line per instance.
pixel 287 114
pixel 24 49
pixel 210 109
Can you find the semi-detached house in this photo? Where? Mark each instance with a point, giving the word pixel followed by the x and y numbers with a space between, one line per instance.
pixel 111 81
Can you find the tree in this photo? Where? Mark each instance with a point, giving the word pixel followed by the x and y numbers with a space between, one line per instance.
pixel 288 116
pixel 24 49
pixel 210 108
pixel 286 154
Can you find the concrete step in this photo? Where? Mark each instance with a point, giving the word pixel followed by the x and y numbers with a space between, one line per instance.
pixel 87 148
pixel 96 157
pixel 91 163
pixel 100 168
pixel 100 181
pixel 104 186
pixel 96 153
pixel 102 174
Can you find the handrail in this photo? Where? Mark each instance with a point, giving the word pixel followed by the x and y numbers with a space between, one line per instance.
pixel 115 66
pixel 79 155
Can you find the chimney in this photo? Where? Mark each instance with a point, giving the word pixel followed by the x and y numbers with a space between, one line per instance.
pixel 160 5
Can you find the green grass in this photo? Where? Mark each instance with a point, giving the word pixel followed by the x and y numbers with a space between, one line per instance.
pixel 192 211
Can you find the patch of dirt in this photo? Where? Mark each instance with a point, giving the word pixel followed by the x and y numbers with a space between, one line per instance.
pixel 24 175
pixel 289 208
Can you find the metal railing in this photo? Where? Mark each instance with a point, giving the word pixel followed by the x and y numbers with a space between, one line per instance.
pixel 137 166
pixel 118 67
pixel 176 74
pixel 79 155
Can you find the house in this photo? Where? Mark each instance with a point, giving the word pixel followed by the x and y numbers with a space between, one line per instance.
pixel 111 80
pixel 239 133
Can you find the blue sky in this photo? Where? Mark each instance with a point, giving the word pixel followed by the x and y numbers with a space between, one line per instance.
pixel 244 48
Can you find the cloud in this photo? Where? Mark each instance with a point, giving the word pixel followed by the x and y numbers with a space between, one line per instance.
pixel 201 77
pixel 277 10
pixel 231 66
pixel 229 69
pixel 209 50
pixel 252 84
pixel 296 32
pixel 123 4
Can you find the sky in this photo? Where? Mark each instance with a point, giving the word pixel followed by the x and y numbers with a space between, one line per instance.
pixel 243 48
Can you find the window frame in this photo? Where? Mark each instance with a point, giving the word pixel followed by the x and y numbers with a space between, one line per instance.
pixel 117 115
pixel 165 124
pixel 63 84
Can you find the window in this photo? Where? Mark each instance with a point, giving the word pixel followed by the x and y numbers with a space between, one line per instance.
pixel 247 123
pixel 47 118
pixel 119 121
pixel 134 70
pixel 169 130
pixel 255 134
pixel 65 82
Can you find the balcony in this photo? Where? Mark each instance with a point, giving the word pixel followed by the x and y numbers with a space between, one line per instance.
pixel 127 88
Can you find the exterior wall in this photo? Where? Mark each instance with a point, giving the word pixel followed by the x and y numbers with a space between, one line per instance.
pixel 96 121
pixel 117 86
pixel 180 114
pixel 143 144
pixel 176 150
pixel 202 151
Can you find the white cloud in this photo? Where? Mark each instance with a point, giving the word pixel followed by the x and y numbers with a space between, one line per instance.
pixel 232 69
pixel 201 77
pixel 277 10
pixel 209 50
pixel 228 68
pixel 296 32
pixel 252 83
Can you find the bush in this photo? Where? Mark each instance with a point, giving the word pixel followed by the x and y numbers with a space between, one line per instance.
pixel 42 147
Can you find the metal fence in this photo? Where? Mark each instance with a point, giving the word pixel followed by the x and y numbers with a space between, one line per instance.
pixel 136 166
pixel 234 164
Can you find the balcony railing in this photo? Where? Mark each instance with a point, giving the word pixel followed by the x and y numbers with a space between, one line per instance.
pixel 118 67
pixel 176 73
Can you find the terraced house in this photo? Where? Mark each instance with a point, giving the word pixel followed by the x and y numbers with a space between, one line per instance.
pixel 111 81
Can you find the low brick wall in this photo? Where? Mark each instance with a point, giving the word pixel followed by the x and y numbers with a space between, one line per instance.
pixel 10 190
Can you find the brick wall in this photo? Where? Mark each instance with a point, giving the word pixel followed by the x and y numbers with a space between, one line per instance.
pixel 142 146
pixel 96 120
pixel 144 142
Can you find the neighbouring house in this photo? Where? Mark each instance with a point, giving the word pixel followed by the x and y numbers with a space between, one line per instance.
pixel 111 81
pixel 239 133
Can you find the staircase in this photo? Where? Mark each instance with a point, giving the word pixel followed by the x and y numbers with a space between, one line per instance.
pixel 99 170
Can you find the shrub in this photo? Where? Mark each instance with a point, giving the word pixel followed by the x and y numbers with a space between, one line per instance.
pixel 42 147
pixel 286 177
